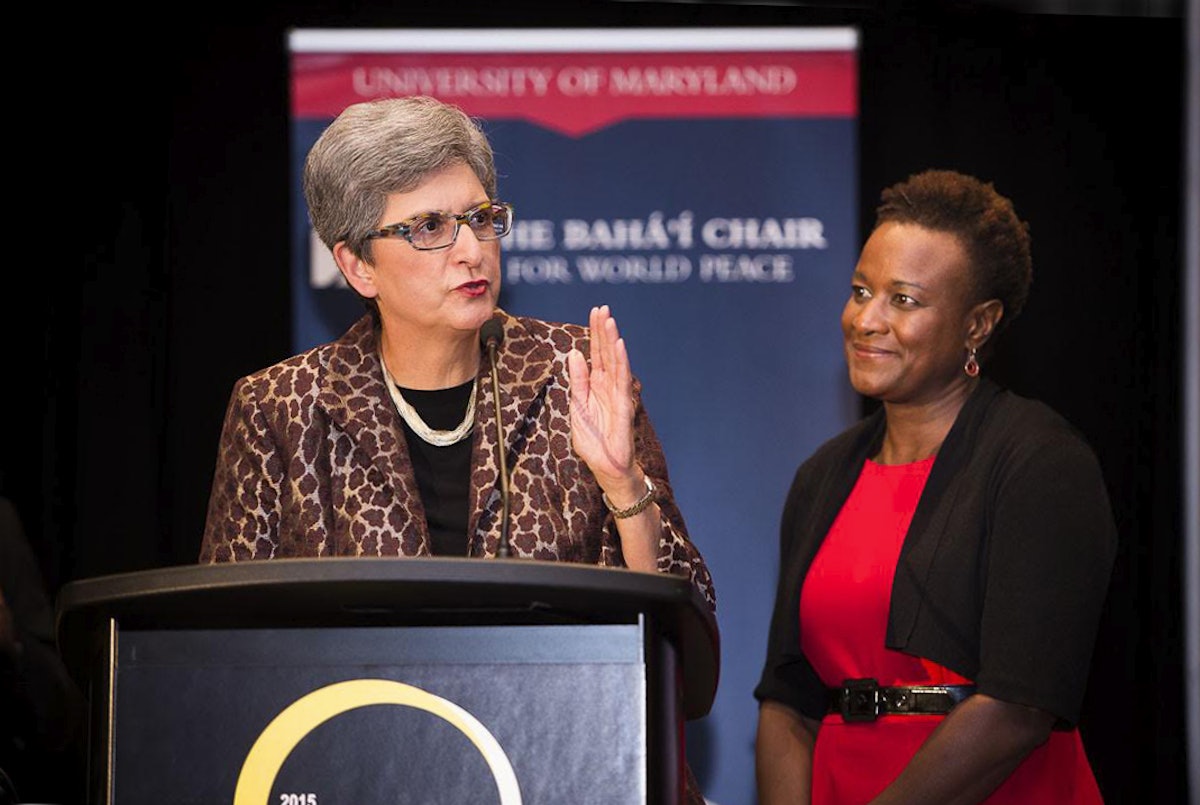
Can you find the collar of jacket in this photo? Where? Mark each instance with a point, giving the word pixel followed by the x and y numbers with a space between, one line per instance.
pixel 352 391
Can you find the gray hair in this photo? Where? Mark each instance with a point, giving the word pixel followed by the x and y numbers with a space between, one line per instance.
pixel 376 148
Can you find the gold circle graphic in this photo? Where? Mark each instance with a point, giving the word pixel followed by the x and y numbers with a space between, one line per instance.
pixel 302 716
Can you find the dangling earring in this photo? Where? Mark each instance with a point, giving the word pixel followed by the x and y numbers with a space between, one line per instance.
pixel 971 367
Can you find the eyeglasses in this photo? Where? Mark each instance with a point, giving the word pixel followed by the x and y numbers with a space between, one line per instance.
pixel 491 220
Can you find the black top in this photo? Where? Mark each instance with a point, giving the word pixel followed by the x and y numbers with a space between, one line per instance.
pixel 1004 568
pixel 443 473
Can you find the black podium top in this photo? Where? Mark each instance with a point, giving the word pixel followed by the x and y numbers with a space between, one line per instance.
pixel 344 591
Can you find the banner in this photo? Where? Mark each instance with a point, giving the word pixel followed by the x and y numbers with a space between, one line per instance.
pixel 703 184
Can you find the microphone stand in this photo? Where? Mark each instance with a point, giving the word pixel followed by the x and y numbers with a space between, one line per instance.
pixel 492 336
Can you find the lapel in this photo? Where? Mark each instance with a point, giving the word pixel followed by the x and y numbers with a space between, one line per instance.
pixel 928 527
pixel 353 393
pixel 526 366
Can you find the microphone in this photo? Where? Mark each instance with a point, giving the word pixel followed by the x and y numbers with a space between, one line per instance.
pixel 491 334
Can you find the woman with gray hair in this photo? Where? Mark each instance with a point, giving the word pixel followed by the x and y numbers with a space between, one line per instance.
pixel 384 442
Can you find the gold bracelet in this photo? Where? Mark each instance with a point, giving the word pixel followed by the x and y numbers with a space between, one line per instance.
pixel 636 508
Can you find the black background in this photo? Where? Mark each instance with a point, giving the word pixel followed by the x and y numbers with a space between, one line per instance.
pixel 175 172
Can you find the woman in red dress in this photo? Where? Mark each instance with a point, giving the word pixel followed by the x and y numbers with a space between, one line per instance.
pixel 944 561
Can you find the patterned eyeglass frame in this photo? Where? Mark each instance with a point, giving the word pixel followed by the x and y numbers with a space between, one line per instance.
pixel 404 228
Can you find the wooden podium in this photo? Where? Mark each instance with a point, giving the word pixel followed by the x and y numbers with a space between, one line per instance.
pixel 422 680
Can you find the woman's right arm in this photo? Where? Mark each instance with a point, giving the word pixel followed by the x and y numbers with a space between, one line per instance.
pixel 783 755
pixel 788 687
pixel 242 521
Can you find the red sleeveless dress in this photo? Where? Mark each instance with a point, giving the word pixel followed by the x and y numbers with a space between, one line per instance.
pixel 843 612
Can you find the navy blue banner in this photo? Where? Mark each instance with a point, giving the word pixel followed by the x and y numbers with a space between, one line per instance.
pixel 723 241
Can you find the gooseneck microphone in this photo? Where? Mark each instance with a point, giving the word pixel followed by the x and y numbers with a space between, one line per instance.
pixel 491 334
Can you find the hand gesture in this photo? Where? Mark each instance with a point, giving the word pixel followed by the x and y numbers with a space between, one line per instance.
pixel 602 409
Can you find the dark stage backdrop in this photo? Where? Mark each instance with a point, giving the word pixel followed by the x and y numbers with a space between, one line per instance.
pixel 120 369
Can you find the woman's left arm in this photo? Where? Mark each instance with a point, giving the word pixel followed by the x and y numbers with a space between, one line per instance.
pixel 608 428
pixel 1050 542
pixel 970 754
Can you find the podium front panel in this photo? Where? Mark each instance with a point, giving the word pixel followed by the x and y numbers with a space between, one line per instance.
pixel 543 714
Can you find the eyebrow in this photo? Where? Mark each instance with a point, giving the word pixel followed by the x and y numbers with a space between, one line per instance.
pixel 474 206
pixel 858 275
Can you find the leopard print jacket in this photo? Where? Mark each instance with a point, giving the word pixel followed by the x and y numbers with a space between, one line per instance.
pixel 313 462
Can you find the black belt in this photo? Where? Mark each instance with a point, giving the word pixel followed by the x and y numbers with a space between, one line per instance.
pixel 865 700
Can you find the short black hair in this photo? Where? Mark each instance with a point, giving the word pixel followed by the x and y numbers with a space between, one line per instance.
pixel 986 224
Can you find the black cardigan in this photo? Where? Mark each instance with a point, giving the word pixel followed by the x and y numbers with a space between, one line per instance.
pixel 1004 568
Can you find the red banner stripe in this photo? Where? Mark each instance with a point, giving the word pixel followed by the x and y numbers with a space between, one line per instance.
pixel 579 93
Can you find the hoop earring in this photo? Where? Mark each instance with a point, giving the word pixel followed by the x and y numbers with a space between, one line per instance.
pixel 971 367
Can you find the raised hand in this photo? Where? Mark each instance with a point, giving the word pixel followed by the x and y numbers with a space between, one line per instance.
pixel 602 410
